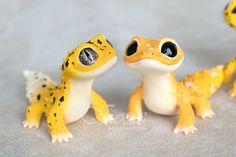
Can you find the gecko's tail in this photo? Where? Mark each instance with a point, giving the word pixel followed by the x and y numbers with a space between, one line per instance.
pixel 35 82
pixel 229 70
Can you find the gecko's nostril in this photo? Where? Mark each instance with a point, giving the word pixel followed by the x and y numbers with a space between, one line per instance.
pixel 132 48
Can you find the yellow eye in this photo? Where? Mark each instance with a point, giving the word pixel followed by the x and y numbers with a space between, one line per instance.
pixel 132 48
pixel 169 49
pixel 88 56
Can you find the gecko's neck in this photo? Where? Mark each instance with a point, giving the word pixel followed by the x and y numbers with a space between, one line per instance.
pixel 158 76
pixel 74 85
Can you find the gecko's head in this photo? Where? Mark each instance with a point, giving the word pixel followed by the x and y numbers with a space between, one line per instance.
pixel 90 59
pixel 149 55
pixel 230 13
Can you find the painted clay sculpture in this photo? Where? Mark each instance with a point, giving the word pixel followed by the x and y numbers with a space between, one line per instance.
pixel 230 19
pixel 69 101
pixel 157 60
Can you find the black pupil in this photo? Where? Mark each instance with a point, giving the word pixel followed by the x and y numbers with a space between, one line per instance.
pixel 234 11
pixel 88 56
pixel 169 49
pixel 132 48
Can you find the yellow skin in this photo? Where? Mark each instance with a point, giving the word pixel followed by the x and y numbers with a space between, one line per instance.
pixel 230 18
pixel 54 101
pixel 147 57
pixel 230 14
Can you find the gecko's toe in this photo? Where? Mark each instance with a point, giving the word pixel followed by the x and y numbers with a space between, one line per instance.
pixel 30 124
pixel 108 119
pixel 185 130
pixel 207 114
pixel 60 138
pixel 130 117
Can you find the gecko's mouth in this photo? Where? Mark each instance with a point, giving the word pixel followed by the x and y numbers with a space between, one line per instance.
pixel 88 56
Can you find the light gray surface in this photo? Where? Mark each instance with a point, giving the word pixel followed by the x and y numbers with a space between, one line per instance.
pixel 37 34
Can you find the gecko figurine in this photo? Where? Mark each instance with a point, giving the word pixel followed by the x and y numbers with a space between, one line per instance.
pixel 230 19
pixel 71 99
pixel 156 60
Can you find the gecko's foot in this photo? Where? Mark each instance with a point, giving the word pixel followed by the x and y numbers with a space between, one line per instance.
pixel 61 137
pixel 232 93
pixel 108 119
pixel 131 117
pixel 30 124
pixel 185 129
pixel 206 114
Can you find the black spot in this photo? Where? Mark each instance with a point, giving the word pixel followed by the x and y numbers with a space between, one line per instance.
pixel 28 111
pixel 62 99
pixel 45 105
pixel 55 114
pixel 99 41
pixel 90 42
pixel 234 11
pixel 109 52
pixel 62 67
pixel 102 49
pixel 71 54
pixel 44 86
pixel 38 97
pixel 67 62
pixel 51 94
pixel 64 87
pixel 73 63
pixel 59 104
pixel 49 124
pixel 54 99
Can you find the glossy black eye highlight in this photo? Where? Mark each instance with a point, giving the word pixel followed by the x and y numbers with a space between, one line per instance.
pixel 234 11
pixel 109 43
pixel 88 56
pixel 169 49
pixel 132 48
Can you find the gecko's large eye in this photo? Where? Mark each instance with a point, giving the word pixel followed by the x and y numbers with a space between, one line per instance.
pixel 132 48
pixel 234 11
pixel 88 56
pixel 169 49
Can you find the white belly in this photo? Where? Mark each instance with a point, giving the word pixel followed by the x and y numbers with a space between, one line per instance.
pixel 79 100
pixel 158 95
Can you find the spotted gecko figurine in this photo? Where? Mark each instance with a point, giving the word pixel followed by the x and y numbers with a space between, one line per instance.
pixel 156 60
pixel 70 100
pixel 230 19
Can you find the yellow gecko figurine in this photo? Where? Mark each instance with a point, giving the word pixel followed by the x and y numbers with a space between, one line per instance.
pixel 162 93
pixel 70 100
pixel 230 18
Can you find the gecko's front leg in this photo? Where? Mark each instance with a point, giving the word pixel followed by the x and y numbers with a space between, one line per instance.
pixel 135 105
pixel 56 124
pixel 101 109
pixel 185 123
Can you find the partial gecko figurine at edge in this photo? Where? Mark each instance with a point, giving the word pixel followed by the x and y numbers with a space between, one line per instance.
pixel 162 93
pixel 230 18
pixel 70 100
